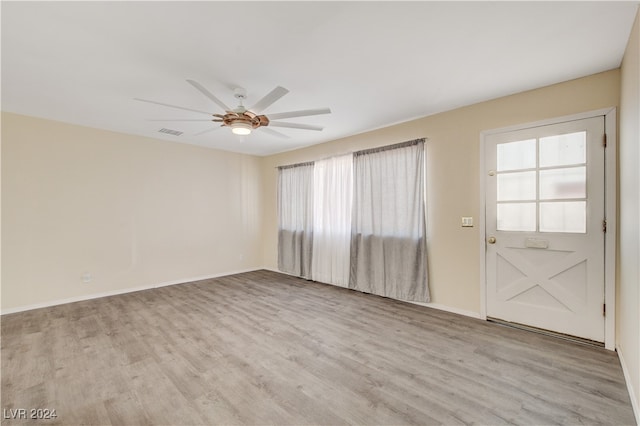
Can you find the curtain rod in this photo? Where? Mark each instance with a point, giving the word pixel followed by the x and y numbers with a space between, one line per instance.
pixel 389 147
pixel 291 166
pixel 358 152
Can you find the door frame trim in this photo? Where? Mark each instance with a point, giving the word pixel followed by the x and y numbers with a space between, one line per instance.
pixel 610 173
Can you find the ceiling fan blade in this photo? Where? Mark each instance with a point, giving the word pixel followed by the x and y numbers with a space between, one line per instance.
pixel 180 119
pixel 171 106
pixel 273 132
pixel 269 98
pixel 294 125
pixel 206 131
pixel 208 94
pixel 301 113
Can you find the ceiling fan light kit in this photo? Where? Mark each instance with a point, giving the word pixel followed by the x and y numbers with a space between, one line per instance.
pixel 241 120
pixel 241 128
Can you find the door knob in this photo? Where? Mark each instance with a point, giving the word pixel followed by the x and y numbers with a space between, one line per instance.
pixel 491 240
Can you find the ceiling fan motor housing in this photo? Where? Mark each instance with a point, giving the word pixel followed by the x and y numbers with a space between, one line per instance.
pixel 255 121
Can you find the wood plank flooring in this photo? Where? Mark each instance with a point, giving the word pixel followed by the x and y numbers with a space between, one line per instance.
pixel 265 348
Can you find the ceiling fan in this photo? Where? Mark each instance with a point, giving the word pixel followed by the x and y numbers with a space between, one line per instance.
pixel 241 120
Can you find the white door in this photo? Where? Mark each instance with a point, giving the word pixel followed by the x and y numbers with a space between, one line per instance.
pixel 545 207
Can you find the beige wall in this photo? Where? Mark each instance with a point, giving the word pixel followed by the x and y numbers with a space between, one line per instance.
pixel 131 211
pixel 629 242
pixel 453 157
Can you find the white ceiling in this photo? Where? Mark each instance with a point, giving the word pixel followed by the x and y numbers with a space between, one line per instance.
pixel 373 63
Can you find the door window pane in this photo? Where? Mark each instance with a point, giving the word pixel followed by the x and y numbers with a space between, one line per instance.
pixel 562 150
pixel 517 186
pixel 563 183
pixel 567 216
pixel 517 155
pixel 516 217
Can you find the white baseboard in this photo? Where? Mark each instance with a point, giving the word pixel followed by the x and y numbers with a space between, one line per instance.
pixel 451 309
pixel 627 379
pixel 119 291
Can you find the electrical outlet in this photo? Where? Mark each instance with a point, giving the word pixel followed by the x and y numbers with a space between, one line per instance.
pixel 86 277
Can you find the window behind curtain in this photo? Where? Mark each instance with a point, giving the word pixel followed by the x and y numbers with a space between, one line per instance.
pixel 388 231
pixel 295 219
pixel 358 221
pixel 332 189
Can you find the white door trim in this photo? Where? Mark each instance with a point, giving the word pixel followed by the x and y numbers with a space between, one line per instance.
pixel 610 212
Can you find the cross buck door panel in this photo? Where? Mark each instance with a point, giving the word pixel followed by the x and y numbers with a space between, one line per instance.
pixel 544 227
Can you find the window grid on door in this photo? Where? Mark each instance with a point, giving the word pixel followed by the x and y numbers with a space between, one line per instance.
pixel 541 184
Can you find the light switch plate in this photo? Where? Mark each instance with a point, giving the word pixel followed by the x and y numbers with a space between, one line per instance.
pixel 467 222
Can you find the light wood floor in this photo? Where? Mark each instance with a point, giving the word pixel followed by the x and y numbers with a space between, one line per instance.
pixel 265 348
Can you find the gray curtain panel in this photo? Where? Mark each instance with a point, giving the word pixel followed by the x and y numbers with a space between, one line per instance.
pixel 388 231
pixel 295 219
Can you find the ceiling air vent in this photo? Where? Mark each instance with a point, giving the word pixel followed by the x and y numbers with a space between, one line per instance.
pixel 171 132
